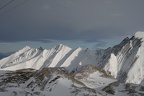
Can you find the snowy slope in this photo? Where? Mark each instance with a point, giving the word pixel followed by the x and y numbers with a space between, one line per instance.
pixel 58 82
pixel 34 58
pixel 47 82
pixel 24 58
pixel 93 77
pixel 127 63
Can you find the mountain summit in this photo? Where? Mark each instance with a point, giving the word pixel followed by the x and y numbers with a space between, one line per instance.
pixel 139 34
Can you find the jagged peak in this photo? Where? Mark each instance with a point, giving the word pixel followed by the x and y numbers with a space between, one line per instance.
pixel 24 49
pixel 78 48
pixel 60 46
pixel 139 34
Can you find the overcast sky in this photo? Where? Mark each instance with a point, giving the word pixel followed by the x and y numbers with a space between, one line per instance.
pixel 85 23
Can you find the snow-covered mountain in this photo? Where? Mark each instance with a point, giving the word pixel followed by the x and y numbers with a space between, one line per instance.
pixel 93 69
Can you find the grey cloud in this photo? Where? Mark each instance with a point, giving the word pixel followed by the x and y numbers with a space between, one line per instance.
pixel 87 20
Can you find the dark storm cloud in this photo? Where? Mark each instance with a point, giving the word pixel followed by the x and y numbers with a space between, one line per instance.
pixel 88 20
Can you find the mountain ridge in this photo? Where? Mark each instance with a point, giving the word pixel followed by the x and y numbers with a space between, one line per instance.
pixel 63 71
pixel 120 61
